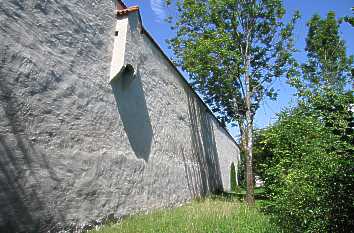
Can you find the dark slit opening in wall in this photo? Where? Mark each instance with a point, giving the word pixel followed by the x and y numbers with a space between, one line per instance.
pixel 130 99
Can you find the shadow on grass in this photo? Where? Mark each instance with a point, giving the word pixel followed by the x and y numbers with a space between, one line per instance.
pixel 259 194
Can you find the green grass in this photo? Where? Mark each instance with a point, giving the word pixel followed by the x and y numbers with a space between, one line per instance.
pixel 211 215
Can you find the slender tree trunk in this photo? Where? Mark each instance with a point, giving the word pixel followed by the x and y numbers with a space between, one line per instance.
pixel 249 135
pixel 249 166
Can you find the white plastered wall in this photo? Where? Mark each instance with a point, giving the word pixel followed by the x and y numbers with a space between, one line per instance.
pixel 119 46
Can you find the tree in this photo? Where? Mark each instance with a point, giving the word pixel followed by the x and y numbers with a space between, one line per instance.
pixel 325 85
pixel 310 177
pixel 233 50
pixel 328 67
pixel 308 180
pixel 350 19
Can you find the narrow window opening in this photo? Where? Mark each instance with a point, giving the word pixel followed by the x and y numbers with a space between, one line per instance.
pixel 116 33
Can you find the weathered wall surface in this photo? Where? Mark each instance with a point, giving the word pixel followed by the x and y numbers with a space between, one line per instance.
pixel 176 113
pixel 74 148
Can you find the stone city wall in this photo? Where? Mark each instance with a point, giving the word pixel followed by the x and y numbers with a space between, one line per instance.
pixel 75 147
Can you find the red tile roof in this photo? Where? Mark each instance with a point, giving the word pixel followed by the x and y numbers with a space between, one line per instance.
pixel 127 10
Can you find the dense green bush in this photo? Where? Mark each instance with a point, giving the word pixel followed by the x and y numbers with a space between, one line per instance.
pixel 261 154
pixel 310 177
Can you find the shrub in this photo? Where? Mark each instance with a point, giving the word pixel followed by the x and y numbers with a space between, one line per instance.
pixel 310 176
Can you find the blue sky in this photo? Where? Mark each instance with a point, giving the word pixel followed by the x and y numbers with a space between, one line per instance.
pixel 153 13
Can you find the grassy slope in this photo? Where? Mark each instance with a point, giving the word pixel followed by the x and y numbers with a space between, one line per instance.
pixel 210 215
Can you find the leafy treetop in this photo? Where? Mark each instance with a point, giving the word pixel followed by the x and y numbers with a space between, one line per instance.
pixel 221 42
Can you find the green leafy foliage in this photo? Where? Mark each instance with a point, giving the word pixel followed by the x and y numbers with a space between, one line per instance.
pixel 216 39
pixel 310 176
pixel 307 174
pixel 233 50
pixel 261 153
pixel 350 19
pixel 328 67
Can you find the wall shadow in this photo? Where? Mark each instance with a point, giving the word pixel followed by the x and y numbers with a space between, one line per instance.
pixel 22 208
pixel 206 176
pixel 130 99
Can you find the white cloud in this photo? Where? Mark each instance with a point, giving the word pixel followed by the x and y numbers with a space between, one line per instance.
pixel 157 7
